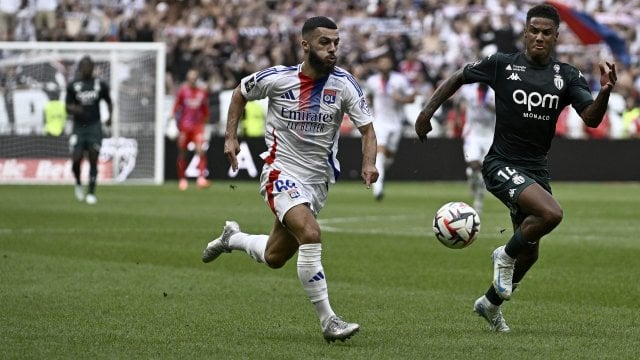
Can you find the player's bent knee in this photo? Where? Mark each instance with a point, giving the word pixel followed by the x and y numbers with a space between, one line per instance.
pixel 553 218
pixel 275 261
pixel 274 264
pixel 309 236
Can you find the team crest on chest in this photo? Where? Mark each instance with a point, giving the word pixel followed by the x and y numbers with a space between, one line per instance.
pixel 329 96
pixel 558 81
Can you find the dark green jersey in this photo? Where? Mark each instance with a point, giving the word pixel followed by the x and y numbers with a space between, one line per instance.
pixel 87 93
pixel 529 99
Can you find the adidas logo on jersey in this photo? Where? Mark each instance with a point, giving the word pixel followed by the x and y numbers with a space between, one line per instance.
pixel 288 95
pixel 514 76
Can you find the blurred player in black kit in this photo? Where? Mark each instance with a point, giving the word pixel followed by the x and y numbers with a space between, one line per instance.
pixel 83 102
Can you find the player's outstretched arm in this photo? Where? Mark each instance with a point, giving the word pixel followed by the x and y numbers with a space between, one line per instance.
pixel 592 115
pixel 369 171
pixel 231 145
pixel 110 110
pixel 442 93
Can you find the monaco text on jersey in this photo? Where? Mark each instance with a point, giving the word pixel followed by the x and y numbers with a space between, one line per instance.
pixel 87 97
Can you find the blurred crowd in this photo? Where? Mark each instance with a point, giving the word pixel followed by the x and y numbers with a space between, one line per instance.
pixel 228 39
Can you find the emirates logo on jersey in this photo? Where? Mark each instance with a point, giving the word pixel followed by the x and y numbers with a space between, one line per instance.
pixel 558 81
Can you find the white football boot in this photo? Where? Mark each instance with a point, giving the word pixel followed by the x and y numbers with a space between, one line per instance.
pixel 502 273
pixel 79 192
pixel 334 328
pixel 492 314
pixel 91 199
pixel 220 245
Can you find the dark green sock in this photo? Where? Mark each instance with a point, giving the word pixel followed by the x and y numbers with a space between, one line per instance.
pixel 493 297
pixel 516 244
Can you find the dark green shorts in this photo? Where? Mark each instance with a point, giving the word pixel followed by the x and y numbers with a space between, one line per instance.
pixel 507 181
pixel 86 138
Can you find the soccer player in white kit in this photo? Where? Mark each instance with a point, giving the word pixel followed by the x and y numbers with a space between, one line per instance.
pixel 306 106
pixel 477 134
pixel 390 91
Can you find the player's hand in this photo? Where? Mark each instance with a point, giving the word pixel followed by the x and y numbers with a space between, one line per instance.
pixel 423 125
pixel 231 149
pixel 608 77
pixel 75 109
pixel 369 175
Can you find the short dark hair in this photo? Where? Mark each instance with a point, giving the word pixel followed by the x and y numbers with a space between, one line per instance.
pixel 544 11
pixel 316 22
pixel 86 59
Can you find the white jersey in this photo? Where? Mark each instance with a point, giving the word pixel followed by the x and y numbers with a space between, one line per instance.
pixel 480 120
pixel 386 110
pixel 304 117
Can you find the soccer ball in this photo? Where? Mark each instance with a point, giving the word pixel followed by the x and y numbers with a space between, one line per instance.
pixel 456 225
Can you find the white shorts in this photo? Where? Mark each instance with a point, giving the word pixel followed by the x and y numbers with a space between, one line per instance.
pixel 388 135
pixel 282 191
pixel 476 148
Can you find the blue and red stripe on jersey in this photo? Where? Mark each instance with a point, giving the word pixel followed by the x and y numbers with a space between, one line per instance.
pixel 310 93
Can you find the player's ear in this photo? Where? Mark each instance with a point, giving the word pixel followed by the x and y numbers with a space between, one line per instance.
pixel 305 45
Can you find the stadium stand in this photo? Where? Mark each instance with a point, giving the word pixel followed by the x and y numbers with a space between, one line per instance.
pixel 229 39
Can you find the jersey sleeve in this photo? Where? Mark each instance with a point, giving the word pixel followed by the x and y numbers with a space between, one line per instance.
pixel 177 103
pixel 71 94
pixel 355 103
pixel 579 91
pixel 483 70
pixel 105 92
pixel 258 85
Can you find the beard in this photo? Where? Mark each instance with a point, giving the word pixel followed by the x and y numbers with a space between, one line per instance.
pixel 319 64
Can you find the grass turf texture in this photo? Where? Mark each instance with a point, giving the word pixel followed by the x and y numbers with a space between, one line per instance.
pixel 123 278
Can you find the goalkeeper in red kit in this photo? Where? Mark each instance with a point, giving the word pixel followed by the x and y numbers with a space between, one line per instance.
pixel 191 113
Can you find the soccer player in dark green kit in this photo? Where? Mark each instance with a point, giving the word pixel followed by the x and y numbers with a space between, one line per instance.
pixel 531 90
pixel 83 102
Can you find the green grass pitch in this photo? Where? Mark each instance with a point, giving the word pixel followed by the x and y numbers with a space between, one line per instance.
pixel 123 279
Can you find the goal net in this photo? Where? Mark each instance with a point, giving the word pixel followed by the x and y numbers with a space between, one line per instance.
pixel 34 148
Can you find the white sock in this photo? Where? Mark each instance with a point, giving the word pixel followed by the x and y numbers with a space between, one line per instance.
pixel 380 165
pixel 313 280
pixel 469 172
pixel 254 245
pixel 388 161
pixel 477 189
